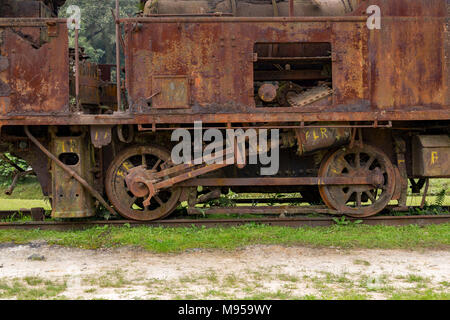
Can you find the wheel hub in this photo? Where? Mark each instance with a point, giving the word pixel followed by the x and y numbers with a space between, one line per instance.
pixel 134 181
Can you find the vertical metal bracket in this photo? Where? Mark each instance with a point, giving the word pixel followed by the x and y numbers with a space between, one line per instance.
pixel 400 150
pixel 52 29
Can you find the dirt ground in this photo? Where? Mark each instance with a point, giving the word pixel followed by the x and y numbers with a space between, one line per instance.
pixel 261 272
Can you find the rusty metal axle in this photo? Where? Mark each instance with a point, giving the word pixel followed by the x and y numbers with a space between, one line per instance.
pixel 298 181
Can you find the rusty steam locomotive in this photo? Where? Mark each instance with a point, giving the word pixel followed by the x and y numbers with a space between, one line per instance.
pixel 359 110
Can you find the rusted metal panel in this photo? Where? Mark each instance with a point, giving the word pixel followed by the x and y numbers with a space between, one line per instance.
pixel 100 136
pixel 171 92
pixel 430 156
pixel 89 83
pixel 447 51
pixel 401 72
pixel 70 199
pixel 404 67
pixel 407 64
pixel 37 73
pixel 350 76
pixel 218 57
pixel 5 90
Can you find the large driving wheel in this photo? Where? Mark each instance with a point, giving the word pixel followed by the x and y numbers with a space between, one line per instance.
pixel 358 200
pixel 123 200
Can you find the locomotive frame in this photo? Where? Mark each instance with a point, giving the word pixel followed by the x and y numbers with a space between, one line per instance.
pixel 389 99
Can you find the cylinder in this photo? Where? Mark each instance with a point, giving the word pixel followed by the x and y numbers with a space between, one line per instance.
pixel 310 140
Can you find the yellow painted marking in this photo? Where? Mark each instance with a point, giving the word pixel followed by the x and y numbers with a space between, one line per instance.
pixel 63 147
pixel 323 131
pixel 315 135
pixel 434 157
pixel 96 135
pixel 126 165
pixel 307 135
pixel 120 173
pixel 106 135
pixel 400 161
pixel 71 145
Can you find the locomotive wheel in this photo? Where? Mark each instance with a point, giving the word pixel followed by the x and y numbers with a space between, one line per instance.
pixel 358 200
pixel 128 205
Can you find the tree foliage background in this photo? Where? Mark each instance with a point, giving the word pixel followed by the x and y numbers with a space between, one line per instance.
pixel 97 34
pixel 6 170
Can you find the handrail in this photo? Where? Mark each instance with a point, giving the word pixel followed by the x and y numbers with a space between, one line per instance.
pixel 117 21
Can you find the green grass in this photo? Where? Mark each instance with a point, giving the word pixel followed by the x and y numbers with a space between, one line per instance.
pixel 112 279
pixel 428 294
pixel 26 195
pixel 28 188
pixel 17 204
pixel 30 288
pixel 181 239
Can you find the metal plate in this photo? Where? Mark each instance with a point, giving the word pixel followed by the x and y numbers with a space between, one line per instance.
pixel 173 92
pixel 5 90
pixel 430 156
pixel 4 63
pixel 100 136
pixel 70 199
pixel 37 73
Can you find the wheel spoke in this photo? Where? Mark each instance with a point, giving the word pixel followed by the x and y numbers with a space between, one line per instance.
pixel 358 199
pixel 131 202
pixel 348 196
pixel 158 199
pixel 369 163
pixel 370 195
pixel 358 160
pixel 144 160
pixel 347 165
pixel 157 164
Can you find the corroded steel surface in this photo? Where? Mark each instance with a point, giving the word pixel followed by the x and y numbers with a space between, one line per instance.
pixel 200 51
pixel 397 73
pixel 431 156
pixel 68 193
pixel 36 72
pixel 398 69
pixel 210 67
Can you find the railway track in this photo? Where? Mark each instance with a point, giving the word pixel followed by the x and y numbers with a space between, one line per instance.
pixel 287 222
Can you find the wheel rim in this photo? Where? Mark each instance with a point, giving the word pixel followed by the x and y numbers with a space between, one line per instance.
pixel 358 200
pixel 127 204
